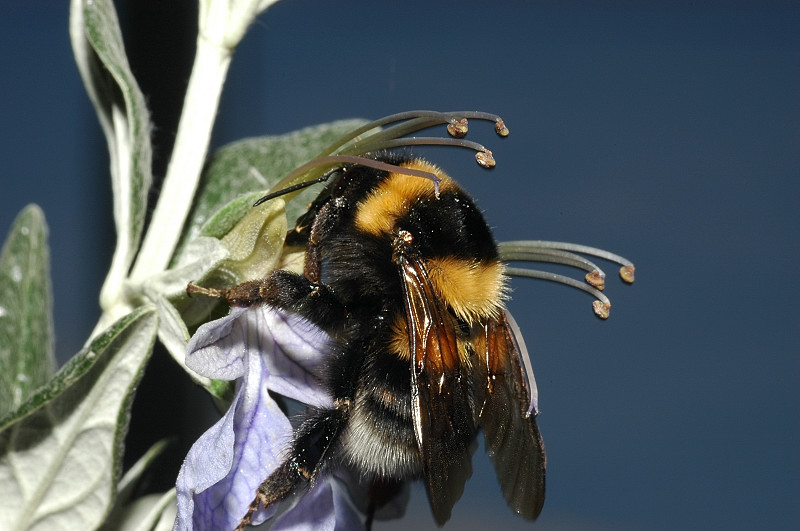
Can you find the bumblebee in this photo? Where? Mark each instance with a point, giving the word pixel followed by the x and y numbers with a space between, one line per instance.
pixel 405 277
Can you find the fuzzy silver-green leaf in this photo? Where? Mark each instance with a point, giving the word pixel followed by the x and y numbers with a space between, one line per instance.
pixel 122 111
pixel 26 322
pixel 60 452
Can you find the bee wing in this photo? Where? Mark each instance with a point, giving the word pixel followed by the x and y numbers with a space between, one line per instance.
pixel 503 402
pixel 441 391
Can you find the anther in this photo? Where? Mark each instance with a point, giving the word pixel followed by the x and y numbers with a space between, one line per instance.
pixel 458 128
pixel 596 278
pixel 601 309
pixel 500 128
pixel 485 158
pixel 626 273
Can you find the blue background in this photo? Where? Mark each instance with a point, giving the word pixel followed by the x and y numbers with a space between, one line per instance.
pixel 667 132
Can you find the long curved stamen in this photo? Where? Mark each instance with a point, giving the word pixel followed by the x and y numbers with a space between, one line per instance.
pixel 355 138
pixel 594 275
pixel 601 306
pixel 626 271
pixel 354 147
pixel 516 334
pixel 335 161
pixel 487 161
pixel 410 122
pixel 567 254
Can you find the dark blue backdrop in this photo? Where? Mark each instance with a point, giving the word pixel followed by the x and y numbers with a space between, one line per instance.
pixel 669 133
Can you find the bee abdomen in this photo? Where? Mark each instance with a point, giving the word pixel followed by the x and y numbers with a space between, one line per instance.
pixel 379 439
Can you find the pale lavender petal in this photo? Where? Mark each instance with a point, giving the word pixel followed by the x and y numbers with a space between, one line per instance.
pixel 208 461
pixel 299 351
pixel 348 517
pixel 217 349
pixel 293 348
pixel 313 511
pixel 250 436
pixel 327 506
pixel 268 350
pixel 396 507
pixel 355 490
pixel 263 434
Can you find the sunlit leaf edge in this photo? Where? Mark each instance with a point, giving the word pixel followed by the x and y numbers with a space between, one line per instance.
pixel 75 368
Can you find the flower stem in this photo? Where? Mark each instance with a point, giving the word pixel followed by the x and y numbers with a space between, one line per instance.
pixel 188 155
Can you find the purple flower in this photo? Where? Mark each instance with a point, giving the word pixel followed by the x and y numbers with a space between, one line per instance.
pixel 264 350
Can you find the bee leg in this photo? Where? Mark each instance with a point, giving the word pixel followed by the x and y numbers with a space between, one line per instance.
pixel 281 289
pixel 381 491
pixel 279 485
pixel 312 445
pixel 245 294
pixel 370 516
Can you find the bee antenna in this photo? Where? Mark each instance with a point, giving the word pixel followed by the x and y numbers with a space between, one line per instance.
pixel 293 188
pixel 338 162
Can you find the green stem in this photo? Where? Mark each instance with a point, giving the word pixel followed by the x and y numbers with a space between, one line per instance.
pixel 188 155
